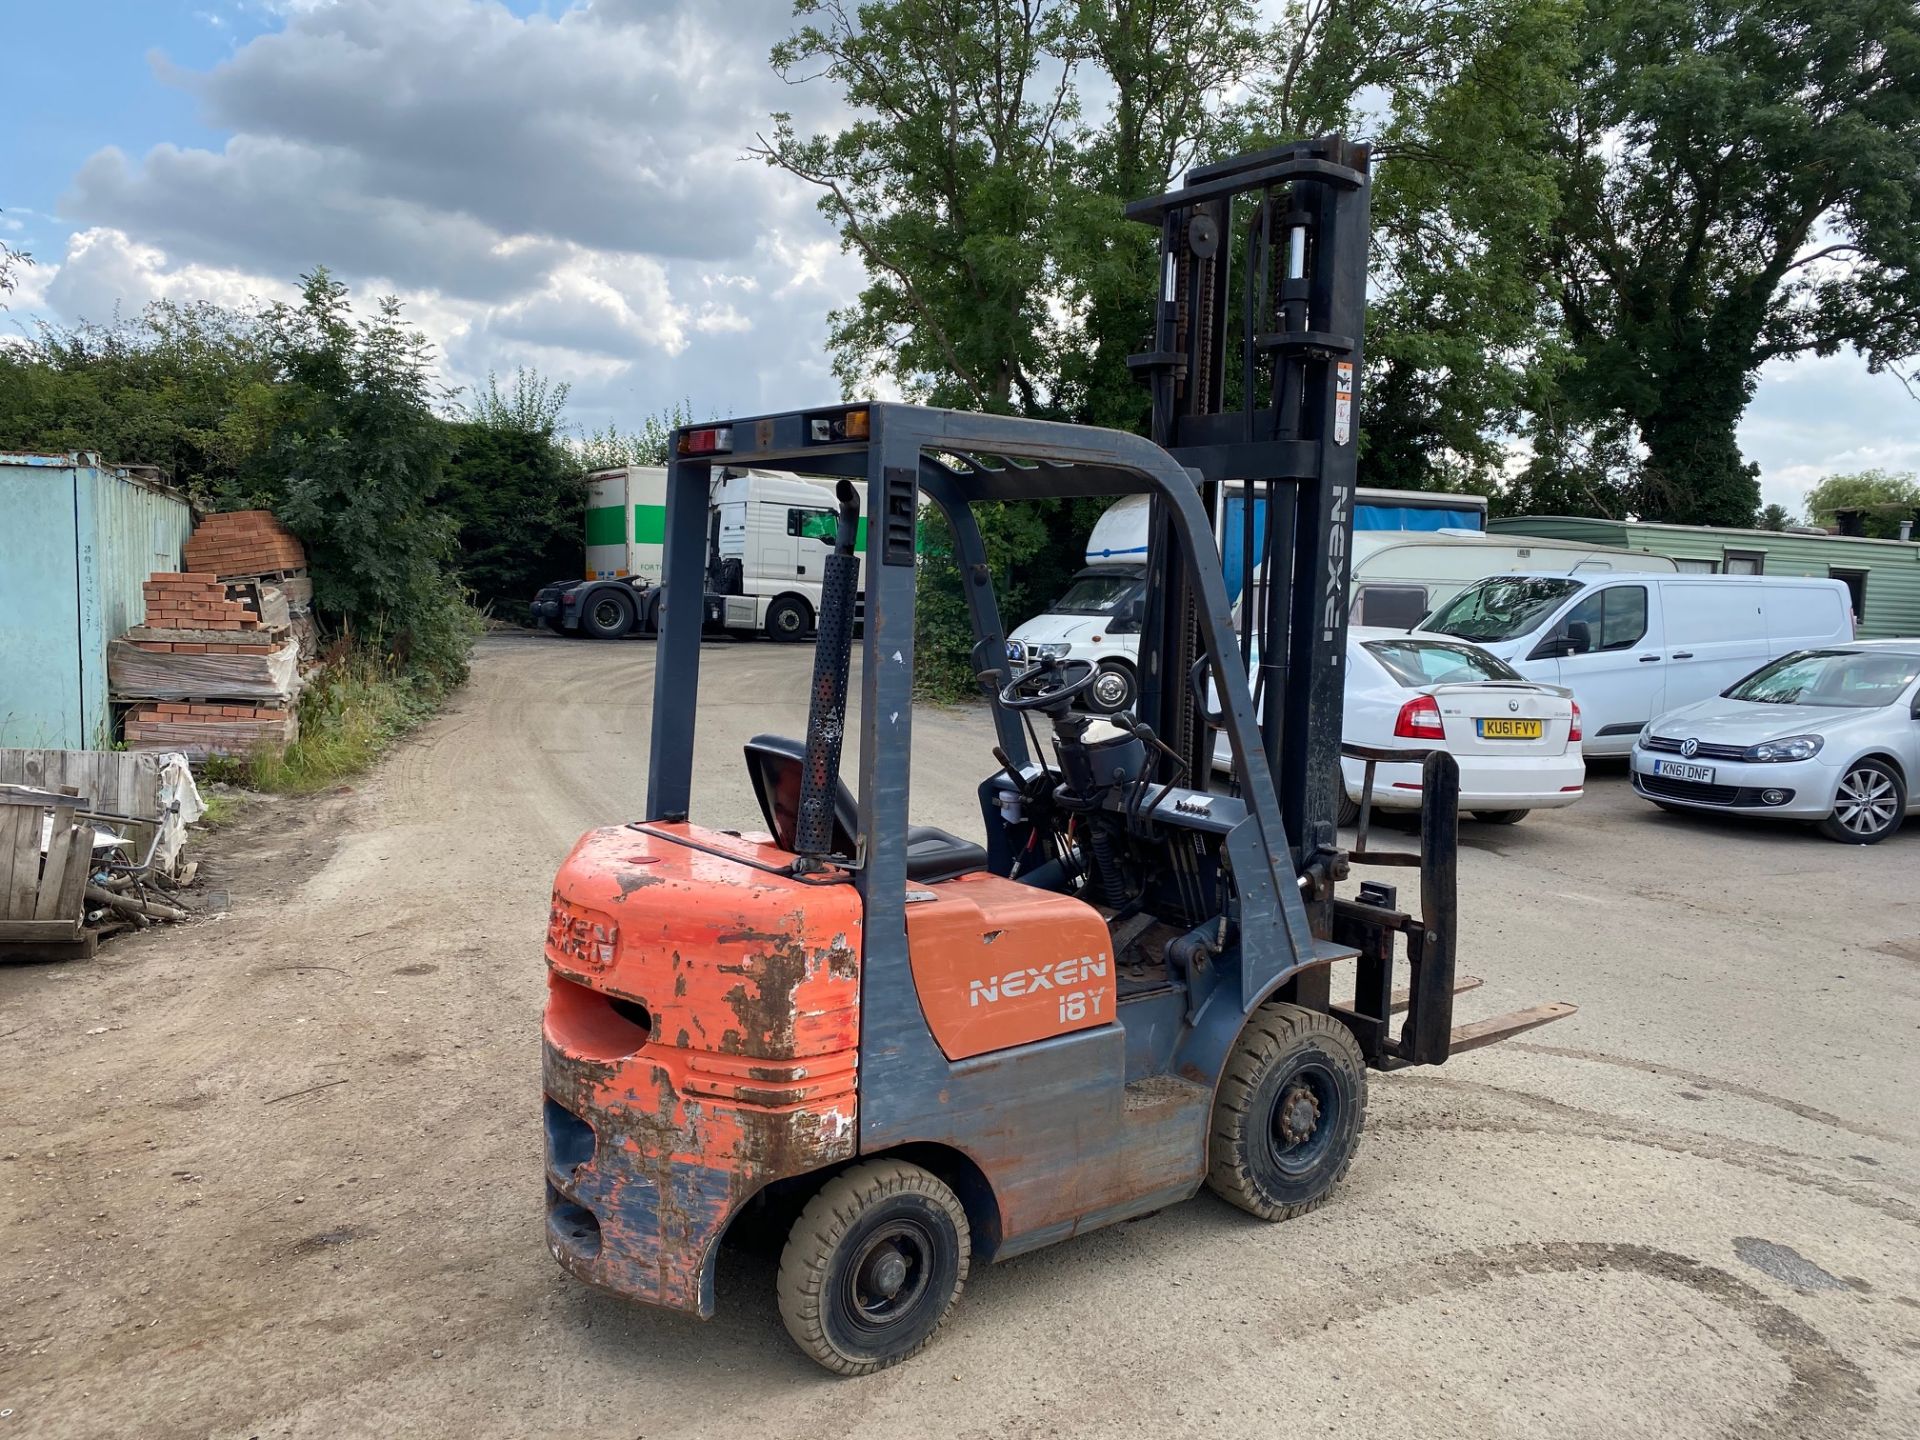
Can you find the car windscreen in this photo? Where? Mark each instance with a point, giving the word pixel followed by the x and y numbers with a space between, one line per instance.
pixel 1414 663
pixel 1099 595
pixel 1501 606
pixel 1840 679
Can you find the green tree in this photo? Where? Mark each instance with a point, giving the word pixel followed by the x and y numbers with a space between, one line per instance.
pixel 182 387
pixel 612 448
pixel 1164 63
pixel 1772 517
pixel 12 261
pixel 945 182
pixel 353 456
pixel 513 490
pixel 1458 101
pixel 1738 182
pixel 1884 498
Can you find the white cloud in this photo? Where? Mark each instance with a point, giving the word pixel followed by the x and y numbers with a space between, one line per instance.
pixel 105 270
pixel 564 191
pixel 1825 415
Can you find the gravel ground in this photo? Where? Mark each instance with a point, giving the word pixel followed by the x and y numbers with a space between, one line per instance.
pixel 278 1174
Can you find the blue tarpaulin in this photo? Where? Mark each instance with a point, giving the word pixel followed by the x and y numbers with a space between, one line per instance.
pixel 1366 516
pixel 1415 517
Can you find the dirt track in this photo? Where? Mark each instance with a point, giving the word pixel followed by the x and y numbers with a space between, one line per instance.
pixel 278 1174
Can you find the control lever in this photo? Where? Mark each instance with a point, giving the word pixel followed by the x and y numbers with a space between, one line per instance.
pixel 1020 783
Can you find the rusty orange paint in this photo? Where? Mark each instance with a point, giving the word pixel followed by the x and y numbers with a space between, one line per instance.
pixel 702 1022
pixel 998 963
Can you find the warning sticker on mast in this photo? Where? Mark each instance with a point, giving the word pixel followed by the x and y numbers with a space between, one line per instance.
pixel 1342 402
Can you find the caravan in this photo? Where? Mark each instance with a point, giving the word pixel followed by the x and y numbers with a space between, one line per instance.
pixel 1401 576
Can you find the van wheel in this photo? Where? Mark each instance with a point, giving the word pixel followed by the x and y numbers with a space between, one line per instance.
pixel 1869 806
pixel 789 618
pixel 1287 1117
pixel 1349 813
pixel 872 1266
pixel 1500 817
pixel 608 616
pixel 1114 689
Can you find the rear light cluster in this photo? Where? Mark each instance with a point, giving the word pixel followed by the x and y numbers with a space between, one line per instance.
pixel 707 440
pixel 1419 719
pixel 1574 733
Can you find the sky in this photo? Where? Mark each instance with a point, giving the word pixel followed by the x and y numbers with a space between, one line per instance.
pixel 556 185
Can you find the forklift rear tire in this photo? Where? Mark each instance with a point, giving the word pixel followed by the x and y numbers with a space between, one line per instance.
pixel 1287 1118
pixel 873 1264
pixel 789 618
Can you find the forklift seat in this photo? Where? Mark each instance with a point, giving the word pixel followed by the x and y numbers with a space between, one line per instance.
pixel 774 764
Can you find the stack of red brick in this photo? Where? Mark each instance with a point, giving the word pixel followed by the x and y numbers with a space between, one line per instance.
pixel 244 542
pixel 207 728
pixel 193 602
pixel 213 671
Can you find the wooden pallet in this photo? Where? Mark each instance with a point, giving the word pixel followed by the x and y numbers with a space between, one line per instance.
pixel 43 897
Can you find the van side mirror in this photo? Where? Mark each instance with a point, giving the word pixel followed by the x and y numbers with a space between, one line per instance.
pixel 1129 621
pixel 1577 639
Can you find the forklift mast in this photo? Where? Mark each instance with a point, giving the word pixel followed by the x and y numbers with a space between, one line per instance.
pixel 1253 369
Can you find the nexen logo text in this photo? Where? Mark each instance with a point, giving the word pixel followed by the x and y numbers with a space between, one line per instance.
pixel 1028 981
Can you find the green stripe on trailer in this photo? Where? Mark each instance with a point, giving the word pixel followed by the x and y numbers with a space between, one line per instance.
pixel 649 524
pixel 607 525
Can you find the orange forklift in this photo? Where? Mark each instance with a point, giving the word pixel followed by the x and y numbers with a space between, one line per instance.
pixel 922 1051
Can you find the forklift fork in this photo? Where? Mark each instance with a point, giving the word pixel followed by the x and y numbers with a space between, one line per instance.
pixel 1371 923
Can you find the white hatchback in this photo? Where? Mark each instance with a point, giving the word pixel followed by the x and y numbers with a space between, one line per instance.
pixel 1517 741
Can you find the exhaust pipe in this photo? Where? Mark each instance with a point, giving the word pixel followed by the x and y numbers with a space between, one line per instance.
pixel 827 715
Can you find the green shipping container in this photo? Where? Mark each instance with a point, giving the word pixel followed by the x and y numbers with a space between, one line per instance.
pixel 80 540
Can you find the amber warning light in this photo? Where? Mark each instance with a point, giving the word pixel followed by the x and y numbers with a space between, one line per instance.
pixel 847 425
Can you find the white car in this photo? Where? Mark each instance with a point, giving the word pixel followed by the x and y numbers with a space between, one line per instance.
pixel 1830 735
pixel 1517 740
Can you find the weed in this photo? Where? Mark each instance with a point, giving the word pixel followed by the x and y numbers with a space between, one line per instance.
pixel 360 704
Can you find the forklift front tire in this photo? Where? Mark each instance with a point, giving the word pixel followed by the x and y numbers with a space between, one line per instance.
pixel 1287 1118
pixel 873 1264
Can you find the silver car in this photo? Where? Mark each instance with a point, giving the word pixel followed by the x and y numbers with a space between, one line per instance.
pixel 1829 735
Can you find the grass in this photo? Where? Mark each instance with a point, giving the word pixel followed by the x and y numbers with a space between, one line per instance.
pixel 217 810
pixel 348 716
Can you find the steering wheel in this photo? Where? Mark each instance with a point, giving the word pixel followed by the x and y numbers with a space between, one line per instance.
pixel 1064 687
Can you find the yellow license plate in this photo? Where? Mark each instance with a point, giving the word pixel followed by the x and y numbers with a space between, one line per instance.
pixel 1511 729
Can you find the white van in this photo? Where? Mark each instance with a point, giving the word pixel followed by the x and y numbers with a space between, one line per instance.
pixel 1630 646
pixel 1098 618
pixel 1399 576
